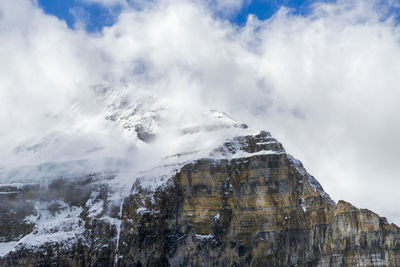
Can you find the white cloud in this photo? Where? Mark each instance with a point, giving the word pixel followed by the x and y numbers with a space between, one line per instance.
pixel 325 85
pixel 334 84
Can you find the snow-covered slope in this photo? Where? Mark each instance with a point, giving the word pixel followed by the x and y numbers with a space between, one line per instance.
pixel 121 126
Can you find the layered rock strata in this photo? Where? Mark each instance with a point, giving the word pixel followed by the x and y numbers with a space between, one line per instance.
pixel 249 204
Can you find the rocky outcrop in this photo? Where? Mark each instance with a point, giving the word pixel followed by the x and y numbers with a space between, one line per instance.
pixel 249 204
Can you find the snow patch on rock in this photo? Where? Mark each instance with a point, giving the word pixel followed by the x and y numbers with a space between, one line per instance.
pixel 7 247
pixel 64 228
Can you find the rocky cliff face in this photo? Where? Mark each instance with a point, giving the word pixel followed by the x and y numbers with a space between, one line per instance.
pixel 248 204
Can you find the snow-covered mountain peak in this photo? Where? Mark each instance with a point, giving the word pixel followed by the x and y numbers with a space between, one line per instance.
pixel 146 116
pixel 126 141
pixel 116 128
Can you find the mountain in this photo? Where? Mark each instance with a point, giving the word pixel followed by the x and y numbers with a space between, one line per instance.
pixel 207 191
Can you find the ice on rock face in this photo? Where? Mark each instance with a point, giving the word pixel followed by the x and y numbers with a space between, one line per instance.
pixel 247 146
pixel 204 237
pixel 6 247
pixel 63 227
pixel 213 121
pixel 141 116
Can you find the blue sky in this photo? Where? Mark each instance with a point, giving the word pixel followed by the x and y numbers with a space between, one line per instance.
pixel 264 9
pixel 97 16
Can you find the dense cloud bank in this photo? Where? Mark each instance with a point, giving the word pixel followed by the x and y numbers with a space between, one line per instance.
pixel 326 85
